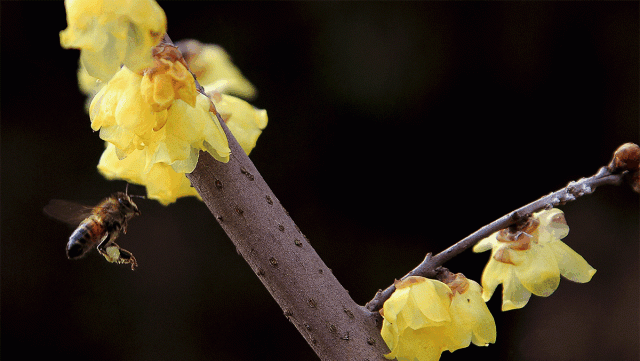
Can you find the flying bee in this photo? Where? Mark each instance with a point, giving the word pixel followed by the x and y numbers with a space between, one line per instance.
pixel 99 225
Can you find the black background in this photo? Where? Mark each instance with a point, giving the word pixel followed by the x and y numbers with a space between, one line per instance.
pixel 395 129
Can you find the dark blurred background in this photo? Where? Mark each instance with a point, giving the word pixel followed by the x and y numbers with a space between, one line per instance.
pixel 395 129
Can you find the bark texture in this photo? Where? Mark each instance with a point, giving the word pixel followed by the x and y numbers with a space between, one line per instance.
pixel 276 250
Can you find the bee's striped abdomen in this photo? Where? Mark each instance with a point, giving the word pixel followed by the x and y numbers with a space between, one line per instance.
pixel 88 233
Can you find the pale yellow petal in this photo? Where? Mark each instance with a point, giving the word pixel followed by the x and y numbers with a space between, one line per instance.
pixel 494 273
pixel 485 244
pixel 471 319
pixel 215 141
pixel 187 165
pixel 220 74
pixel 484 331
pixel 572 265
pixel 243 120
pixel 128 169
pixel 395 304
pixel 514 294
pixel 539 273
pixel 162 182
pixel 432 300
pixel 421 345
pixel 166 185
pixel 389 333
pixel 112 32
pixel 553 222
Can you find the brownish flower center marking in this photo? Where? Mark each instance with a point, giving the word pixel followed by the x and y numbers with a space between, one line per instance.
pixel 166 52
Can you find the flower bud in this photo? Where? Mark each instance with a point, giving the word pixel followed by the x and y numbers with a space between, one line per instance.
pixel 626 157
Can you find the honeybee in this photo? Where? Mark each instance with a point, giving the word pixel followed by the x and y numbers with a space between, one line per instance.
pixel 99 225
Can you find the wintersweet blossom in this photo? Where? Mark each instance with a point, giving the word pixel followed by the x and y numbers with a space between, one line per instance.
pixel 163 183
pixel 471 321
pixel 425 317
pixel 215 72
pixel 531 260
pixel 161 112
pixel 156 124
pixel 110 33
pixel 89 85
pixel 244 120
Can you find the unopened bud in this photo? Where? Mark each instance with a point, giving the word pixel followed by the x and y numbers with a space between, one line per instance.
pixel 635 181
pixel 626 157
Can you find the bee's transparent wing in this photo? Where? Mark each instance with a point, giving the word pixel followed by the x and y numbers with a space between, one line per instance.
pixel 66 211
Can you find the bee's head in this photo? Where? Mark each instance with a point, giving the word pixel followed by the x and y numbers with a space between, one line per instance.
pixel 127 204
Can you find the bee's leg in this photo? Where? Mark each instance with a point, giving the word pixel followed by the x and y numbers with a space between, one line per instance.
pixel 127 258
pixel 104 248
pixel 104 242
pixel 114 254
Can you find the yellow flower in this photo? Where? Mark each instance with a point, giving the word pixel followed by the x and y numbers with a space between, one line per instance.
pixel 531 260
pixel 162 182
pixel 471 321
pixel 161 112
pixel 88 84
pixel 215 72
pixel 425 317
pixel 244 121
pixel 113 32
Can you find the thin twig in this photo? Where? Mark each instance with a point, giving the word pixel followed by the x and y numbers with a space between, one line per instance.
pixel 571 192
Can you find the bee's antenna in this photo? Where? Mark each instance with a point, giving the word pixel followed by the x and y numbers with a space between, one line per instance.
pixel 126 191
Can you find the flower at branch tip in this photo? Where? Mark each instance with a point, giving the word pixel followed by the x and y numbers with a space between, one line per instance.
pixel 160 112
pixel 214 70
pixel 425 317
pixel 163 183
pixel 110 33
pixel 531 259
pixel 244 121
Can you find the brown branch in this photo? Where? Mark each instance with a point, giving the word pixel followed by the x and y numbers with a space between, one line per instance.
pixel 613 174
pixel 310 296
pixel 277 251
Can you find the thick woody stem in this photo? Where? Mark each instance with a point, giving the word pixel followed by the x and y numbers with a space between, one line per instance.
pixel 310 296
pixel 574 190
pixel 276 250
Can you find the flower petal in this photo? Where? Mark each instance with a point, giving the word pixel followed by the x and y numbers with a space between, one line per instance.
pixel 514 294
pixel 539 272
pixel 486 243
pixel 572 265
pixel 243 120
pixel 494 274
pixel 432 299
pixel 470 320
pixel 113 32
pixel 423 345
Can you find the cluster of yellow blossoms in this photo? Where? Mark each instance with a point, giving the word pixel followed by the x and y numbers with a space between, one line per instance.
pixel 143 98
pixel 113 32
pixel 424 317
pixel 531 260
